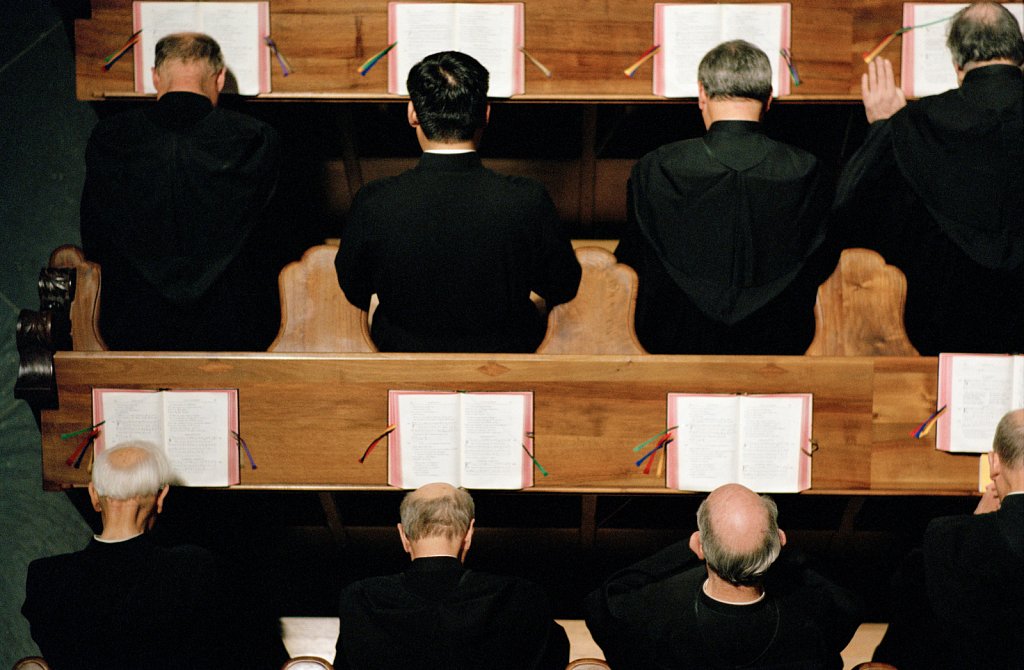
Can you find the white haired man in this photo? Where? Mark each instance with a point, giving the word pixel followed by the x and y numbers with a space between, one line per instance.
pixel 746 607
pixel 123 602
pixel 439 615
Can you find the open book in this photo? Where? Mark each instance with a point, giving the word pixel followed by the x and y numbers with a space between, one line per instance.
pixel 475 440
pixel 927 64
pixel 492 33
pixel 687 32
pixel 238 27
pixel 194 427
pixel 759 441
pixel 976 390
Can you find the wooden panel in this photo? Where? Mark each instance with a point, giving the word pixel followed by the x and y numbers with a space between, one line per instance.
pixel 307 418
pixel 586 43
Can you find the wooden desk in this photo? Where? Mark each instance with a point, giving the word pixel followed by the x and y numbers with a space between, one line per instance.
pixel 308 417
pixel 586 44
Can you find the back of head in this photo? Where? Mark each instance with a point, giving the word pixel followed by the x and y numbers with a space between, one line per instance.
pixel 437 510
pixel 449 93
pixel 736 69
pixel 982 32
pixel 1009 440
pixel 130 470
pixel 190 49
pixel 739 534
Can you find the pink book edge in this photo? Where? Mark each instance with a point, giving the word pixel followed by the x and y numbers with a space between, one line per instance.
pixel 672 457
pixel 138 52
pixel 907 51
pixel 394 442
pixel 943 434
pixel 786 40
pixel 527 475
pixel 659 58
pixel 234 471
pixel 264 50
pixel 392 61
pixel 520 41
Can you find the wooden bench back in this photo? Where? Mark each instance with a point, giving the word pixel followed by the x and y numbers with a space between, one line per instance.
pixel 859 311
pixel 315 316
pixel 85 309
pixel 599 320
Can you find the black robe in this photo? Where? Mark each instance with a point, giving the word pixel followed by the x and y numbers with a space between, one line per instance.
pixel 654 615
pixel 439 616
pixel 938 190
pixel 727 235
pixel 452 251
pixel 172 210
pixel 961 598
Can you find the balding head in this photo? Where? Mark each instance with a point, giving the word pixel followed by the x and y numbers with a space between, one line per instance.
pixel 189 62
pixel 985 32
pixel 437 510
pixel 130 470
pixel 738 534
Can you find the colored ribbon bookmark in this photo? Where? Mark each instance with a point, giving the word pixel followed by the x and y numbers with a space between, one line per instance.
pixel 793 74
pixel 245 447
pixel 286 67
pixel 929 423
pixel 647 55
pixel 540 66
pixel 365 67
pixel 873 54
pixel 535 461
pixel 109 61
pixel 376 441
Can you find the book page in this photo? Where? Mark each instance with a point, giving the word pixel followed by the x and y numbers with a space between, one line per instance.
pixel 977 390
pixel 425 445
pixel 703 455
pixel 199 443
pixel 420 29
pixel 687 32
pixel 927 65
pixel 772 430
pixel 129 415
pixel 492 34
pixel 238 27
pixel 492 439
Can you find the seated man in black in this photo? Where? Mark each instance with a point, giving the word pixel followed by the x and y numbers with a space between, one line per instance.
pixel 726 231
pixel 124 602
pixel 452 249
pixel 938 189
pixel 173 211
pixel 437 615
pixel 961 599
pixel 743 609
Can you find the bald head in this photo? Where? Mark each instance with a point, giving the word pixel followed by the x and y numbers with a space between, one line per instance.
pixel 437 510
pixel 130 470
pixel 985 33
pixel 739 533
pixel 189 62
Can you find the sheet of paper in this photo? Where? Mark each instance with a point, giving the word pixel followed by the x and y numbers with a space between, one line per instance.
pixel 198 437
pixel 238 27
pixel 426 440
pixel 686 32
pixel 492 440
pixel 978 391
pixel 927 65
pixel 703 455
pixel 772 433
pixel 491 33
pixel 129 416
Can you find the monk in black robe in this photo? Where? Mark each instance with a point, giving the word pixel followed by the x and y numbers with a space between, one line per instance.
pixel 727 232
pixel 172 210
pixel 938 189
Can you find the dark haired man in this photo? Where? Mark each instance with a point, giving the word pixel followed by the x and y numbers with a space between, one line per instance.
pixel 437 615
pixel 938 189
pixel 746 607
pixel 452 249
pixel 173 211
pixel 961 599
pixel 726 232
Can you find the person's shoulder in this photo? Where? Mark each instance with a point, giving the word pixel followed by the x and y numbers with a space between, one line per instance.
pixel 126 126
pixel 228 120
pixel 527 186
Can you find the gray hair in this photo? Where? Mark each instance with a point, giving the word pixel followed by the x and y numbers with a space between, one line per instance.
pixel 740 569
pixel 448 515
pixel 130 470
pixel 736 69
pixel 1009 439
pixel 188 48
pixel 982 32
